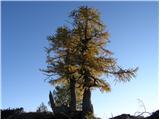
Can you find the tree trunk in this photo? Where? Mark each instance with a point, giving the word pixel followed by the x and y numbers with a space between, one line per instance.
pixel 73 95
pixel 52 104
pixel 87 105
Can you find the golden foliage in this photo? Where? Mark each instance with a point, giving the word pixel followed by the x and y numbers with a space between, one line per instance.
pixel 81 52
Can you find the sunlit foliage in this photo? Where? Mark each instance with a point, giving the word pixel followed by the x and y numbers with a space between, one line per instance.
pixel 79 55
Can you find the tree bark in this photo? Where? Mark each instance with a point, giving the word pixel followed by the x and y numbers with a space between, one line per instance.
pixel 52 104
pixel 73 95
pixel 87 105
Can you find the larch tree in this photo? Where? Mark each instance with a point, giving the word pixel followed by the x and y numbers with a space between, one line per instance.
pixel 92 56
pixel 61 63
pixel 79 58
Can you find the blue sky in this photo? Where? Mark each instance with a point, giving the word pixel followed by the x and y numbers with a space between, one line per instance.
pixel 133 28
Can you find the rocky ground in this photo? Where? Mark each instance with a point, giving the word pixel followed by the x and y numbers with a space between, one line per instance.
pixel 19 114
pixel 154 115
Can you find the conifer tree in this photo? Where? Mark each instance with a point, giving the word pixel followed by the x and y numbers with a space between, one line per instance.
pixel 79 57
pixel 60 61
pixel 93 57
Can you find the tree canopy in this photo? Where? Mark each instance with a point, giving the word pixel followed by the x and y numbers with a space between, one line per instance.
pixel 78 56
